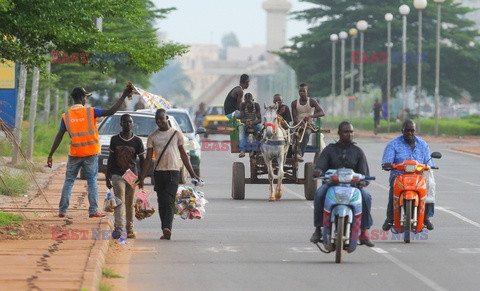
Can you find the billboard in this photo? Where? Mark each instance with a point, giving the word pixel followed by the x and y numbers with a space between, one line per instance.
pixel 8 93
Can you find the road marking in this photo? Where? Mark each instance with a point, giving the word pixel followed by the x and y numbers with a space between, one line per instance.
pixel 413 272
pixel 228 249
pixel 379 250
pixel 458 215
pixel 467 250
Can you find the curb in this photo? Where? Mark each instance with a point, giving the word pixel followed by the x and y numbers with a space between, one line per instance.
pixel 96 259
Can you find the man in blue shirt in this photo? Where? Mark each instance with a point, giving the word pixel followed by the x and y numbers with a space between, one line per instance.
pixel 406 147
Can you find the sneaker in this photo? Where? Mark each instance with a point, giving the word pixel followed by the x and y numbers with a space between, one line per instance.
pixel 242 154
pixel 366 241
pixel 116 234
pixel 130 234
pixel 62 215
pixel 387 225
pixel 317 235
pixel 166 234
pixel 96 215
pixel 428 224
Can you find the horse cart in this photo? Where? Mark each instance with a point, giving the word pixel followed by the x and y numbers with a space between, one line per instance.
pixel 259 169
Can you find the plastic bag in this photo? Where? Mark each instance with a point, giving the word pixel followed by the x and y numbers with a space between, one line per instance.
pixel 110 203
pixel 143 209
pixel 430 182
pixel 190 203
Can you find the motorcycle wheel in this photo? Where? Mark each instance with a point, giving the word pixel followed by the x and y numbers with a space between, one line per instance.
pixel 340 229
pixel 408 221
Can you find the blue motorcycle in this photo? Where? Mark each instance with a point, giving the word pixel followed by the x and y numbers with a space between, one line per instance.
pixel 342 213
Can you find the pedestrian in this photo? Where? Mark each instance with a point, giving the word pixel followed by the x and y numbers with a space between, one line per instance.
pixel 124 149
pixel 234 98
pixel 200 114
pixel 168 146
pixel 304 109
pixel 81 125
pixel 377 109
pixel 139 105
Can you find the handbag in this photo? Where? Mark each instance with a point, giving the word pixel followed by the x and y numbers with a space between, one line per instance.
pixel 163 151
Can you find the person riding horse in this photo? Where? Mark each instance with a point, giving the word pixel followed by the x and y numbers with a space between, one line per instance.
pixel 304 109
pixel 251 119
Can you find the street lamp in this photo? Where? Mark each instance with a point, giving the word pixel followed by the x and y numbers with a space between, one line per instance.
pixel 343 36
pixel 404 11
pixel 361 26
pixel 353 35
pixel 419 5
pixel 437 64
pixel 333 38
pixel 389 18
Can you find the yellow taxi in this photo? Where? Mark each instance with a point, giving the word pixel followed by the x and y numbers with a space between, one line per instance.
pixel 215 121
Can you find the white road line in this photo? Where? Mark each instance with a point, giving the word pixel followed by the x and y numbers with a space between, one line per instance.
pixel 413 272
pixel 379 250
pixel 458 215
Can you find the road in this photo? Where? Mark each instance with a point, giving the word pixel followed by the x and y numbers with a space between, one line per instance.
pixel 259 245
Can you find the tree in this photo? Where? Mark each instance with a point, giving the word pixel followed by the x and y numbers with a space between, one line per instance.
pixel 47 25
pixel 310 54
pixel 228 40
pixel 173 84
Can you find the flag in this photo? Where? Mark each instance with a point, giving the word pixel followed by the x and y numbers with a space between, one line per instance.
pixel 151 99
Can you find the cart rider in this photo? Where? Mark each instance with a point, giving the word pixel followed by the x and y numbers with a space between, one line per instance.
pixel 305 109
pixel 234 98
pixel 250 117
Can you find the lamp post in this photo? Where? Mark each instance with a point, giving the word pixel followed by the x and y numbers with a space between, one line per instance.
pixel 404 11
pixel 343 36
pixel 361 26
pixel 353 35
pixel 419 5
pixel 333 38
pixel 389 18
pixel 437 64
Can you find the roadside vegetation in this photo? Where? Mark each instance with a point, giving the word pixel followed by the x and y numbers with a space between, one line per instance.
pixel 13 183
pixel 8 219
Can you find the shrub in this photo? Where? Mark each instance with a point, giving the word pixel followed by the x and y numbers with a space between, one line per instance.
pixel 14 184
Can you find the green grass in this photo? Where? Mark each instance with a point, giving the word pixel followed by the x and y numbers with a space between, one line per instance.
pixel 108 273
pixel 104 287
pixel 14 184
pixel 7 219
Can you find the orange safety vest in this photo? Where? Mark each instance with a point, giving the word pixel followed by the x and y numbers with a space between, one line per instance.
pixel 82 128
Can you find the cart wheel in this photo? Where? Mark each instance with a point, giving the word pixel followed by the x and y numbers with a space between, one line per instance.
pixel 310 186
pixel 238 181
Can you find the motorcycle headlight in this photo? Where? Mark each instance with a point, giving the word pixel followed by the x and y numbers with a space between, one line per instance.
pixel 342 196
pixel 410 168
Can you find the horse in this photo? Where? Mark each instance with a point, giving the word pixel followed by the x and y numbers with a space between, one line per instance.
pixel 275 143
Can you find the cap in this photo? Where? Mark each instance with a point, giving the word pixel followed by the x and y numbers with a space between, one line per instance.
pixel 79 92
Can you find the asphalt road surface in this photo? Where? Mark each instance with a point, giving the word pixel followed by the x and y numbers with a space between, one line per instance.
pixel 259 245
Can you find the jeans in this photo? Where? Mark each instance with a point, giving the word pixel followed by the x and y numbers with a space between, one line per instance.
pixel 304 142
pixel 126 193
pixel 319 203
pixel 90 168
pixel 241 134
pixel 166 184
pixel 235 113
pixel 429 207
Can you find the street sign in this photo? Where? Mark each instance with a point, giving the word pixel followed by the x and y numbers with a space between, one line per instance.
pixel 8 93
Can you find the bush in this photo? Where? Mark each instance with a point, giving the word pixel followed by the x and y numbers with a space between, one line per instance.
pixel 7 219
pixel 14 184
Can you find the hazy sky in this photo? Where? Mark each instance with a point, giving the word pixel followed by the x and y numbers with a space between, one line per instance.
pixel 206 21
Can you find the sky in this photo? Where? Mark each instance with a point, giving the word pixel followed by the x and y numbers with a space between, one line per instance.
pixel 206 21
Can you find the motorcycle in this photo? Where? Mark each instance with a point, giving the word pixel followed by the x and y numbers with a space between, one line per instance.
pixel 342 212
pixel 409 195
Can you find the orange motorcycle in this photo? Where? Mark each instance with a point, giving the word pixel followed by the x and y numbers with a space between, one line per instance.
pixel 409 194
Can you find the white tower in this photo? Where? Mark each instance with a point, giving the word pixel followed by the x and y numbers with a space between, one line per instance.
pixel 276 24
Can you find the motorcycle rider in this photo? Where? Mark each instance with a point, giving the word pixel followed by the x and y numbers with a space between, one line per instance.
pixel 343 154
pixel 406 147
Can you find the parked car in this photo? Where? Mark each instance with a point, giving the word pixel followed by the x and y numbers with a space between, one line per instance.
pixel 143 125
pixel 192 133
pixel 215 121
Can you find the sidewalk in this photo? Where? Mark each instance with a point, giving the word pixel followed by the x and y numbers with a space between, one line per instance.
pixel 51 253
